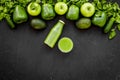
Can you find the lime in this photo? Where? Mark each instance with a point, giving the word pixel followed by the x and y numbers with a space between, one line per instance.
pixel 65 45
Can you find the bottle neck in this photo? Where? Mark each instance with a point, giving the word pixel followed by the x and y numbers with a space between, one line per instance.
pixel 59 25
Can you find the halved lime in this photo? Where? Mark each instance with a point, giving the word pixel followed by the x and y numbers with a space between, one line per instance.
pixel 65 45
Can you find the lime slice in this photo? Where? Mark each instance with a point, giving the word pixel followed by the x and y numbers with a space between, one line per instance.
pixel 65 45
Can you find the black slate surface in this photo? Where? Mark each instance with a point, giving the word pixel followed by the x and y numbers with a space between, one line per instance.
pixel 24 56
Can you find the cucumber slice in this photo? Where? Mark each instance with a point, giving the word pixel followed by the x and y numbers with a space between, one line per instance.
pixel 65 45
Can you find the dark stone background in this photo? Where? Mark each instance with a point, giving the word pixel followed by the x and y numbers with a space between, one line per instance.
pixel 24 56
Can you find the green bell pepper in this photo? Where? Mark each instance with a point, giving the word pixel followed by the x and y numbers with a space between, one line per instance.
pixel 47 12
pixel 99 19
pixel 73 13
pixel 19 15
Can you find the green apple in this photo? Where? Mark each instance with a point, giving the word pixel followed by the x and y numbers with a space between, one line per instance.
pixel 87 9
pixel 61 8
pixel 34 9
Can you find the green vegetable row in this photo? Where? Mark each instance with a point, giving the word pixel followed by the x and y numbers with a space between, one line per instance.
pixel 101 13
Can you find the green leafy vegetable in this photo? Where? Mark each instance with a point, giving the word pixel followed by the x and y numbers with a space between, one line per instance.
pixel 7 8
pixel 113 12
